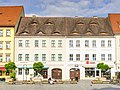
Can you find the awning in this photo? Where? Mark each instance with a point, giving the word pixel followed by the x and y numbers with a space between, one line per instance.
pixel 2 68
pixel 45 67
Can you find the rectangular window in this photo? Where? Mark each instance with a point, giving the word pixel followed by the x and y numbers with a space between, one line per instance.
pixel 26 57
pixel 1 58
pixel 20 43
pixel 109 43
pixel 86 43
pixel 43 43
pixel 19 71
pixel 86 56
pixel 1 33
pixel 94 43
pixel 19 57
pixel 71 57
pixel 77 57
pixel 94 57
pixel 7 58
pixel 27 43
pixel 103 43
pixel 43 57
pixel 7 32
pixel 109 57
pixel 7 45
pixel 27 71
pixel 77 43
pixel 70 43
pixel 1 45
pixel 36 43
pixel 59 43
pixel 36 57
pixel 59 57
pixel 52 43
pixel 103 57
pixel 53 57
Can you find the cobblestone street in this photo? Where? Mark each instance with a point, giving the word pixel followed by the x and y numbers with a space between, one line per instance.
pixel 82 85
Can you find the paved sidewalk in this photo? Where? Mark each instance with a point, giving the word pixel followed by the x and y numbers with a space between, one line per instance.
pixel 82 85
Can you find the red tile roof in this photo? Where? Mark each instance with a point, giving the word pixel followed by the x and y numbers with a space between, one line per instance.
pixel 9 15
pixel 115 22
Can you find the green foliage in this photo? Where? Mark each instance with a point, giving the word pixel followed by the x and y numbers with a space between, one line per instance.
pixel 38 66
pixel 103 66
pixel 12 75
pixel 10 66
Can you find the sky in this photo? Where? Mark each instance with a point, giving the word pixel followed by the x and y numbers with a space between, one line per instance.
pixel 64 8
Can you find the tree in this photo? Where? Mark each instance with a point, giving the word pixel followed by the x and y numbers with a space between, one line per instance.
pixel 103 67
pixel 38 67
pixel 11 67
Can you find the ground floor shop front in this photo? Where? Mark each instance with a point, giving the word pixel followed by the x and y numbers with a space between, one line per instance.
pixel 69 72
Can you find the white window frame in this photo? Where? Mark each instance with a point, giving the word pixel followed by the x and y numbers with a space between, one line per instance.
pixel 1 45
pixel 59 43
pixel 36 42
pixel 1 33
pixel 43 43
pixel 86 43
pixel 52 43
pixel 94 57
pixel 59 57
pixel 77 57
pixel 93 43
pixel 102 43
pixel 103 57
pixel 109 43
pixel 86 56
pixel 70 57
pixel 20 44
pixel 77 43
pixel 8 45
pixel 27 43
pixel 109 57
pixel 8 33
pixel 70 43
pixel 52 57
pixel 19 57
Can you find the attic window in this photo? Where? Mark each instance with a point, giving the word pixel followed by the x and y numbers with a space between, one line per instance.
pixel 49 23
pixel 40 32
pixel 80 23
pixel 94 24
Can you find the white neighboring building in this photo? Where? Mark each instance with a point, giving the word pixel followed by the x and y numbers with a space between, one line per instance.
pixel 69 48
pixel 34 45
pixel 91 41
pixel 88 53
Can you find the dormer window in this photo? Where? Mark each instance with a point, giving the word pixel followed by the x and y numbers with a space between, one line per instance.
pixel 94 24
pixel 80 23
pixel 49 23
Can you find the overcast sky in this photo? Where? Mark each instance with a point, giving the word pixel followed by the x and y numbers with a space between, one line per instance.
pixel 65 8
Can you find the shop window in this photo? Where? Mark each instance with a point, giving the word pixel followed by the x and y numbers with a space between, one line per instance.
pixel 7 73
pixel 89 72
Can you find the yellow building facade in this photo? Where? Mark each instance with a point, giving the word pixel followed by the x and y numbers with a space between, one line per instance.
pixel 6 48
pixel 9 20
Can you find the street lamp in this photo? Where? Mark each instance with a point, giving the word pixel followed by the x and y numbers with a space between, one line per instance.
pixel 24 68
